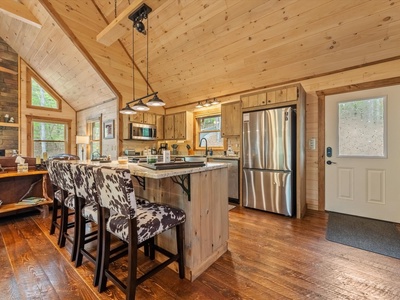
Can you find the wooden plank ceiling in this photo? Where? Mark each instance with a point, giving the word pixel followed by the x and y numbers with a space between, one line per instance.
pixel 201 49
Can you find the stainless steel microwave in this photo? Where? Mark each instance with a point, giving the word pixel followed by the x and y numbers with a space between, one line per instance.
pixel 143 131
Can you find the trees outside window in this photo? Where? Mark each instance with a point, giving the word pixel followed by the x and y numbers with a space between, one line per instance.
pixel 40 97
pixel 209 127
pixel 49 137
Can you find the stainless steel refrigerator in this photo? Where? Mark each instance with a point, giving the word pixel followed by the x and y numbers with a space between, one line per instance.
pixel 269 160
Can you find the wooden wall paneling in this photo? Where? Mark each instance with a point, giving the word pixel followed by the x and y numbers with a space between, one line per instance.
pixel 300 154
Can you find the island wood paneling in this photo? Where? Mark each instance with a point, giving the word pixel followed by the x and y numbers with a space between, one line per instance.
pixel 206 226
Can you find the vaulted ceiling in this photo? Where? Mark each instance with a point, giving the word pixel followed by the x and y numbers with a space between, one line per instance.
pixel 199 49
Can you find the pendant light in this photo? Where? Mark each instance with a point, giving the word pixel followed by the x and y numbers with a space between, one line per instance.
pixel 137 17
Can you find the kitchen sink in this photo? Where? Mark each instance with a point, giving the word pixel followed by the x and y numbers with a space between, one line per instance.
pixel 196 158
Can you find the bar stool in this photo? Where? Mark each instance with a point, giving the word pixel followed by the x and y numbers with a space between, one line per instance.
pixel 88 211
pixel 136 225
pixel 56 214
pixel 69 202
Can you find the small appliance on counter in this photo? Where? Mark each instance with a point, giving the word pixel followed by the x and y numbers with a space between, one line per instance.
pixel 130 152
pixel 174 149
pixel 163 146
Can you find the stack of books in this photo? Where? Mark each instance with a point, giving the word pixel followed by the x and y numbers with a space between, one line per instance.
pixel 31 200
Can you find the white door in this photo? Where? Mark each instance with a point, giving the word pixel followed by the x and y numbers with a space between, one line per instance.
pixel 362 155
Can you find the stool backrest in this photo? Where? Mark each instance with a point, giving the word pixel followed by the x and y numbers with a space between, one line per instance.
pixel 83 178
pixel 52 172
pixel 64 176
pixel 115 191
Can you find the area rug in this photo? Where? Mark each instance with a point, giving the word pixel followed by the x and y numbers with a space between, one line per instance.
pixel 363 233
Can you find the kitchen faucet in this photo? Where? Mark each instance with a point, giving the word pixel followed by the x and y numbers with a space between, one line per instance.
pixel 206 145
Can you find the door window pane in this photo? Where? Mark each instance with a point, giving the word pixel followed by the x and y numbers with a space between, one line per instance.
pixel 362 128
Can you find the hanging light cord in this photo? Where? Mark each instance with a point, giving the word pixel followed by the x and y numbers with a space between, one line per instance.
pixel 133 64
pixel 147 55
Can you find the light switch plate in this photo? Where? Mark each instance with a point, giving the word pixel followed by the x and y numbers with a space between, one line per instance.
pixel 312 144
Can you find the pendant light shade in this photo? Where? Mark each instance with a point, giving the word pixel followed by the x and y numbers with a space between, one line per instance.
pixel 140 106
pixel 155 101
pixel 127 110
pixel 199 105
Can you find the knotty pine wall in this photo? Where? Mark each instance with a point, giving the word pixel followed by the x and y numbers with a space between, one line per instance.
pixel 311 86
pixel 66 113
pixel 106 111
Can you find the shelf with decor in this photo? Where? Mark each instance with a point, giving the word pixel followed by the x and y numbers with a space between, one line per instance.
pixel 9 124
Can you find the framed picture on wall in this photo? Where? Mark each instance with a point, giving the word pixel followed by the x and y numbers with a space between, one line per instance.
pixel 108 129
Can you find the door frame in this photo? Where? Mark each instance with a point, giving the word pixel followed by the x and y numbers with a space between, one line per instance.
pixel 321 124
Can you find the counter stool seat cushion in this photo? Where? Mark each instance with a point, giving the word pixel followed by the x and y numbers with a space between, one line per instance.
pixel 90 211
pixel 69 201
pixel 57 195
pixel 152 219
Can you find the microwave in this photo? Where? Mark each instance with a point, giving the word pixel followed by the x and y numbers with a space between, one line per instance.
pixel 143 131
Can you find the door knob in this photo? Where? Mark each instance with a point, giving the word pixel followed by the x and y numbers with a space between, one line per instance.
pixel 330 162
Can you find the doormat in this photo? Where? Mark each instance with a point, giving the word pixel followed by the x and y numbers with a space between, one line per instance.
pixel 372 235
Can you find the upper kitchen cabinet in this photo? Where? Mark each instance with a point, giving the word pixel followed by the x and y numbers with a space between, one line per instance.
pixel 143 118
pixel 273 97
pixel 230 119
pixel 178 126
pixel 160 127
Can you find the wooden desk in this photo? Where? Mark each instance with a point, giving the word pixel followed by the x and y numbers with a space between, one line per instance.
pixel 16 186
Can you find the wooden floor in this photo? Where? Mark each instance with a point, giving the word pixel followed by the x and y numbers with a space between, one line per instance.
pixel 269 257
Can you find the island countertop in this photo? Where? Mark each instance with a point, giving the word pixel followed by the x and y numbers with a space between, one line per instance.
pixel 141 171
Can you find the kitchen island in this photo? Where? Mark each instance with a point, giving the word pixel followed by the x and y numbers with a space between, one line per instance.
pixel 202 192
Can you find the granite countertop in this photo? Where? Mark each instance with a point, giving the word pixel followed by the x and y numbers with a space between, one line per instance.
pixel 137 170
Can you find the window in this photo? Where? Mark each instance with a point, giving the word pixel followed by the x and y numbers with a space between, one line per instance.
pixel 209 127
pixel 362 128
pixel 94 131
pixel 50 137
pixel 40 95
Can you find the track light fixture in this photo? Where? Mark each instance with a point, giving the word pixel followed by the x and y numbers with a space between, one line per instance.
pixel 207 103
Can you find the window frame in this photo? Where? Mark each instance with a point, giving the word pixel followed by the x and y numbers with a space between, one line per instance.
pixel 31 74
pixel 90 133
pixel 196 131
pixel 32 118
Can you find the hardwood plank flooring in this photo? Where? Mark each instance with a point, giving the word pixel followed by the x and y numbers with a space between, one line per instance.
pixel 269 257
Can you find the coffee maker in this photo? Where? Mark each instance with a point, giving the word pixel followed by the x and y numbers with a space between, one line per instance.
pixel 163 146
